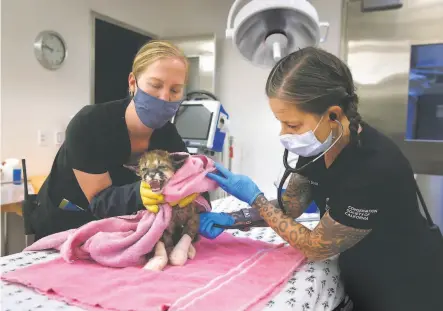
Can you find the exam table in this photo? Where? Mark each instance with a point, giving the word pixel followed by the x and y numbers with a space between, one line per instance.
pixel 314 286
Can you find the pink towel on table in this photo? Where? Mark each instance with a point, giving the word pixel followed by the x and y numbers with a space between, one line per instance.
pixel 227 273
pixel 124 241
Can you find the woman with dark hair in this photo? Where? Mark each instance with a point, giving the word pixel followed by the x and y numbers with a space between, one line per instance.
pixel 363 186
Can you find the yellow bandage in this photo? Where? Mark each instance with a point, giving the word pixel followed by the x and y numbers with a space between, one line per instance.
pixel 152 208
pixel 150 199
pixel 185 201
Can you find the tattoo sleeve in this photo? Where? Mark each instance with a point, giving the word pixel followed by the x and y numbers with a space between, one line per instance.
pixel 326 240
pixel 297 196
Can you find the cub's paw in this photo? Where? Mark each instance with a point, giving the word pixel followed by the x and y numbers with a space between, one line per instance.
pixel 156 263
pixel 178 257
pixel 191 252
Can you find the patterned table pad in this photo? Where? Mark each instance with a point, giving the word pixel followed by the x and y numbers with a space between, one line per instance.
pixel 314 286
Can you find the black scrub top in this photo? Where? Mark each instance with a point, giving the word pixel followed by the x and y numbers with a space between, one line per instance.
pixel 97 141
pixel 398 266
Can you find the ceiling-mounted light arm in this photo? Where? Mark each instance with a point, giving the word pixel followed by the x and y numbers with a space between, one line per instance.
pixel 326 26
pixel 232 11
pixel 265 31
pixel 278 42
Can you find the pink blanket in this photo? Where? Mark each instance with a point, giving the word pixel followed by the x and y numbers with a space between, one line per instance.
pixel 124 241
pixel 190 178
pixel 227 273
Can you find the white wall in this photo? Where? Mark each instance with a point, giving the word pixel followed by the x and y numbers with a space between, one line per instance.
pixel 257 150
pixel 33 98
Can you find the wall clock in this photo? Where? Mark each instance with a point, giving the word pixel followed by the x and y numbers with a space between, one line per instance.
pixel 50 49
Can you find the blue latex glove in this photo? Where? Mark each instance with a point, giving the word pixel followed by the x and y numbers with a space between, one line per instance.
pixel 207 221
pixel 240 186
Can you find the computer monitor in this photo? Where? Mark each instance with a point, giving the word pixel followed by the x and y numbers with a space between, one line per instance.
pixel 425 100
pixel 200 124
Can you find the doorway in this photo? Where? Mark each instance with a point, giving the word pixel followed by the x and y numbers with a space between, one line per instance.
pixel 115 45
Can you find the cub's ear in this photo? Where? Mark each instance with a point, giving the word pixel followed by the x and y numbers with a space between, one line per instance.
pixel 134 168
pixel 178 159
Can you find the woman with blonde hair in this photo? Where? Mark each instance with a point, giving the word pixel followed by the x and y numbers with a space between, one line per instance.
pixel 88 179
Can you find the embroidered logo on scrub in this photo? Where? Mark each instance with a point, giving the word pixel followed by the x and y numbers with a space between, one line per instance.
pixel 360 214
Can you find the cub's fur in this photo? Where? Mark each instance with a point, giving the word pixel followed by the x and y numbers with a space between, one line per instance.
pixel 156 168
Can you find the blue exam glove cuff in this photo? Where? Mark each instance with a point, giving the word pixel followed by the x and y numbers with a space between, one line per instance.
pixel 229 219
pixel 207 221
pixel 252 200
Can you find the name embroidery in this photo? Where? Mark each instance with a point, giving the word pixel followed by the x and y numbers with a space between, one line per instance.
pixel 314 183
pixel 360 214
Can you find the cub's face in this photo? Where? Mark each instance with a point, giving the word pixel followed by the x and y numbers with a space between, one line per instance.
pixel 156 168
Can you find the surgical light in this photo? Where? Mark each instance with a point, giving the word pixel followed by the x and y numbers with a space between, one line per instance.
pixel 263 31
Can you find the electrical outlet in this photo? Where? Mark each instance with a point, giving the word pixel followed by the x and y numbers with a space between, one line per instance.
pixel 42 138
pixel 59 137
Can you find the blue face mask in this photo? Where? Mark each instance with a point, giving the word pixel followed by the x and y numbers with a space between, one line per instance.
pixel 152 111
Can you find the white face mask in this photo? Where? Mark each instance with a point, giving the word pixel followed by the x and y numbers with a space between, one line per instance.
pixel 306 144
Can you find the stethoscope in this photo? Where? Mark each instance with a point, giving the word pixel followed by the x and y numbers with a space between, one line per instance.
pixel 289 170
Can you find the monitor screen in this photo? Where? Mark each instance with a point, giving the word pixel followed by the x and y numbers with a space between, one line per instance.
pixel 193 122
pixel 425 100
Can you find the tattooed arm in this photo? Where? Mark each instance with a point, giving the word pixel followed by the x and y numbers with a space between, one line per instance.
pixel 295 200
pixel 297 196
pixel 327 239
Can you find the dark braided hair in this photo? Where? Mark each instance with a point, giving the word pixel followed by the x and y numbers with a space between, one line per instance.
pixel 316 80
